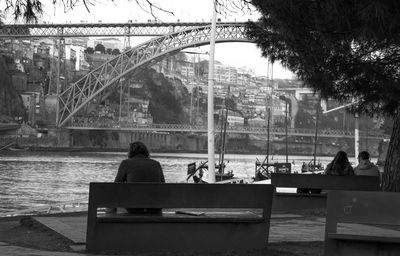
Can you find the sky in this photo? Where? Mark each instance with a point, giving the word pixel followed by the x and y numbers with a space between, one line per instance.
pixel 231 54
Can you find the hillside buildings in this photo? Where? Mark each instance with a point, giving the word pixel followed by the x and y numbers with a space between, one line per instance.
pixel 35 64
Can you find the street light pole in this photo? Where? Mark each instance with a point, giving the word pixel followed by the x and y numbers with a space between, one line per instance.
pixel 356 136
pixel 356 128
pixel 210 104
pixel 286 129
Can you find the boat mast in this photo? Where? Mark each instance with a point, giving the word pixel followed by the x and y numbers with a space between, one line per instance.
pixel 268 120
pixel 316 132
pixel 224 132
pixel 270 80
pixel 210 105
pixel 221 122
pixel 268 111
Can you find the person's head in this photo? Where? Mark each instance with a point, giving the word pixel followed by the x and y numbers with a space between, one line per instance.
pixel 138 148
pixel 340 158
pixel 363 155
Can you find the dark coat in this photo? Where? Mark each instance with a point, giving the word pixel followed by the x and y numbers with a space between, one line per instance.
pixel 140 169
pixel 333 170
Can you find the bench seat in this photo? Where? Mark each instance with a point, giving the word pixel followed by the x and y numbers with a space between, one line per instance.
pixel 365 238
pixel 172 217
pixel 362 223
pixel 195 217
pixel 286 202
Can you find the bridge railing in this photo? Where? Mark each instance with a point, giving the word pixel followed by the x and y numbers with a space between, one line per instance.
pixel 98 29
pixel 277 131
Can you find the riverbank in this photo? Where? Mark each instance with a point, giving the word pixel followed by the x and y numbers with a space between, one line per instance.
pixel 163 151
pixel 103 140
pixel 290 235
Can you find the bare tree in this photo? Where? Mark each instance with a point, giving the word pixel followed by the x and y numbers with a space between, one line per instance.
pixel 31 10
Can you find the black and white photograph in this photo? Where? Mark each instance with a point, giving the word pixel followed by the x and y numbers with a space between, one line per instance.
pixel 199 128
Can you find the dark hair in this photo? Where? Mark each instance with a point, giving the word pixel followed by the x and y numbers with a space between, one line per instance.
pixel 138 148
pixel 364 155
pixel 340 160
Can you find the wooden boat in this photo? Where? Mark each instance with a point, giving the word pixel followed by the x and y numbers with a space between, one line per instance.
pixel 220 174
pixel 264 169
pixel 18 148
pixel 311 167
pixel 15 147
pixel 197 173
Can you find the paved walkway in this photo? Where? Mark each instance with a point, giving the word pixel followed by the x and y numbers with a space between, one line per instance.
pixel 284 228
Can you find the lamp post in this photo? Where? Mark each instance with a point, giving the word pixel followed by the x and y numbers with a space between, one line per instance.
pixel 282 97
pixel 356 128
pixel 210 104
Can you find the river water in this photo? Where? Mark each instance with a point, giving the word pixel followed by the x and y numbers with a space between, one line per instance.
pixel 35 179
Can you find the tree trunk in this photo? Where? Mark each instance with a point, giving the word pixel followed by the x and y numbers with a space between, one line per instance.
pixel 391 174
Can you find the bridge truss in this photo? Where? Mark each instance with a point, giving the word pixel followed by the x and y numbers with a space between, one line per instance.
pixel 76 96
pixel 100 29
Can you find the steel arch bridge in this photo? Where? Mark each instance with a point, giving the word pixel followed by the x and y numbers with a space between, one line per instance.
pixel 88 87
pixel 98 29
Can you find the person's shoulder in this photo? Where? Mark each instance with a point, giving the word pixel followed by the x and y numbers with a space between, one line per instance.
pixel 124 161
pixel 154 161
pixel 374 166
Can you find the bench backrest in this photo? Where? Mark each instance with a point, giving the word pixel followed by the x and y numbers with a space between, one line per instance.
pixel 179 195
pixel 327 182
pixel 363 207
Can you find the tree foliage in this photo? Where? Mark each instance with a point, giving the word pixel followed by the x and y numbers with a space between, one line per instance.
pixel 115 51
pixel 89 50
pixel 167 101
pixel 343 49
pixel 31 10
pixel 100 48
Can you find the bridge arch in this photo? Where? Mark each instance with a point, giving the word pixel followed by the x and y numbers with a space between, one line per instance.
pixel 88 87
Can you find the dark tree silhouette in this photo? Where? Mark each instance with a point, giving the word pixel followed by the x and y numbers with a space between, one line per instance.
pixel 115 52
pixel 342 49
pixel 100 48
pixel 30 10
pixel 89 50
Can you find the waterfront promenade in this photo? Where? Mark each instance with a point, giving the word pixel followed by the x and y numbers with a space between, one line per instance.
pixel 290 235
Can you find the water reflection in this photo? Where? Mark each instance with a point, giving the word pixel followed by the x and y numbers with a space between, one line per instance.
pixel 34 179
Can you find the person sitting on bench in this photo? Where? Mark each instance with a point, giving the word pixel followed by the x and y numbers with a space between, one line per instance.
pixel 340 165
pixel 139 167
pixel 365 167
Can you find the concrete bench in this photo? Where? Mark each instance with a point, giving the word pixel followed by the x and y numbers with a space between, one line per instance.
pixel 362 223
pixel 300 201
pixel 195 217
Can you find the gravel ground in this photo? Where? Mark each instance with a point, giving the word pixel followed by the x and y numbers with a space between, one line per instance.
pixel 22 231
